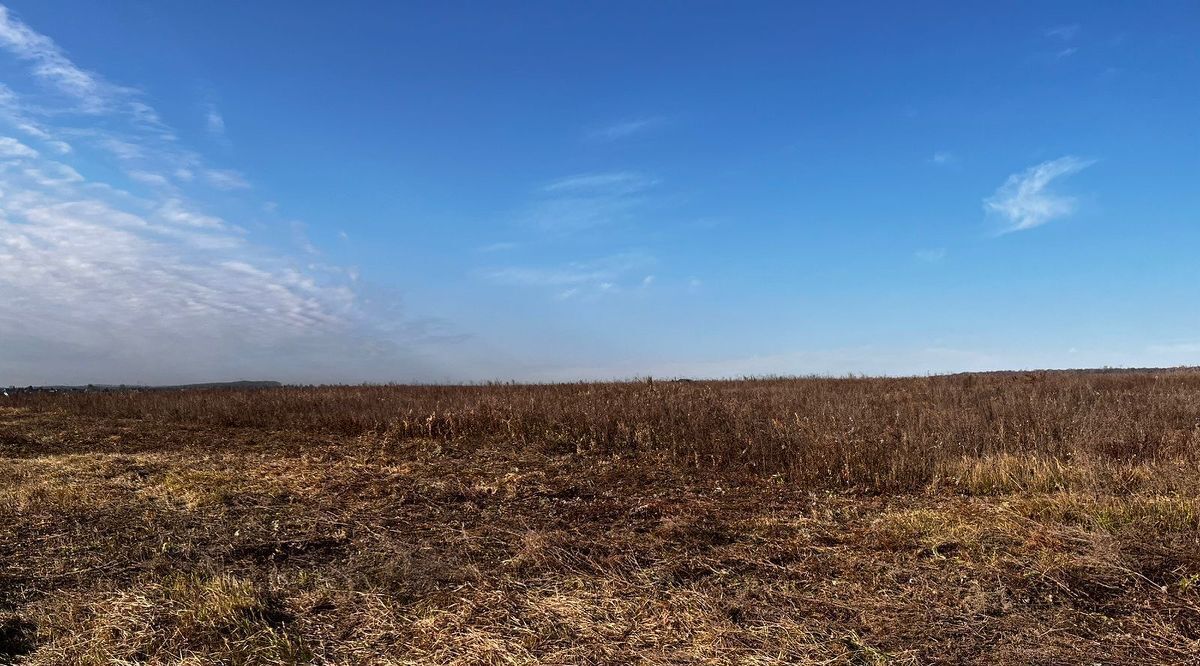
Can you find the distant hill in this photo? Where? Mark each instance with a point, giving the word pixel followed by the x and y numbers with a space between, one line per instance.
pixel 223 385
pixel 245 384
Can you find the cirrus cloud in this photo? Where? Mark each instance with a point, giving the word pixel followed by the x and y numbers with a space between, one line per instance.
pixel 1025 200
pixel 116 267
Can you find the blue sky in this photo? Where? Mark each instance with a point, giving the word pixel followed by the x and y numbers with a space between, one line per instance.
pixel 545 191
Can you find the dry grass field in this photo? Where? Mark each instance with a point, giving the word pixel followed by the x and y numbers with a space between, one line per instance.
pixel 1026 518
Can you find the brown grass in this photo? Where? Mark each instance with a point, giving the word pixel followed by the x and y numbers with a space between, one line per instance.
pixel 1004 518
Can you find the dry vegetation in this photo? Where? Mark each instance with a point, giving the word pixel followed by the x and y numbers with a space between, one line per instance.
pixel 976 519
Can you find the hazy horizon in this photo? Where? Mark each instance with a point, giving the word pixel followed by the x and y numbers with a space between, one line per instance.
pixel 613 379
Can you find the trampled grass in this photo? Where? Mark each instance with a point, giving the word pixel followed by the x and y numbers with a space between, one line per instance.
pixel 1001 518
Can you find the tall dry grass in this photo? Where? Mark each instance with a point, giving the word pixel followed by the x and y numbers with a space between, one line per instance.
pixel 870 433
pixel 979 519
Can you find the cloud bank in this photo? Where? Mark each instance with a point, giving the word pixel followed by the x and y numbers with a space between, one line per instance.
pixel 132 276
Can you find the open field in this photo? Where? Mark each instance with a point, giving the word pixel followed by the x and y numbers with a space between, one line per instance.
pixel 974 519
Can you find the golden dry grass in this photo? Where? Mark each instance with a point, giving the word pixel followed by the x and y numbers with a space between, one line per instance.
pixel 978 519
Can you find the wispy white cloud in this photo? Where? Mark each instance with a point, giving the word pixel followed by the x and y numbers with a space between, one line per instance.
pixel 574 278
pixel 38 132
pixel 89 92
pixel 148 178
pixel 589 200
pixel 625 129
pixel 122 150
pixel 52 174
pixel 931 255
pixel 943 158
pixel 1064 35
pixel 30 128
pixel 226 179
pixel 115 118
pixel 301 239
pixel 146 118
pixel 501 246
pixel 10 148
pixel 11 108
pixel 1025 201
pixel 175 212
pixel 214 122
pixel 604 184
pixel 51 65
pixel 1064 32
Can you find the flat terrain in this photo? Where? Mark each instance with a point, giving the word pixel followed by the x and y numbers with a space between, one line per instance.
pixel 1047 518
